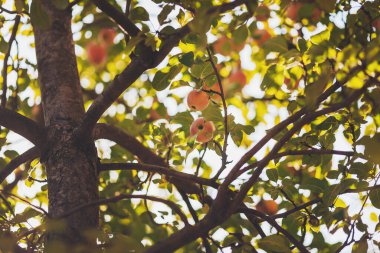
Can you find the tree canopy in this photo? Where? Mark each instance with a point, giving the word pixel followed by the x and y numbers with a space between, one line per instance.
pixel 220 126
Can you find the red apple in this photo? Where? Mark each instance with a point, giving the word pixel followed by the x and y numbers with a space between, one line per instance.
pixel 260 36
pixel 204 130
pixel 96 53
pixel 268 207
pixel 224 46
pixel 290 85
pixel 107 36
pixel 376 24
pixel 262 13
pixel 237 77
pixel 198 100
pixel 294 8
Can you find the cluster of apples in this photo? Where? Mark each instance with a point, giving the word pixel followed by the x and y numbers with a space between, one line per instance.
pixel 203 129
pixel 97 50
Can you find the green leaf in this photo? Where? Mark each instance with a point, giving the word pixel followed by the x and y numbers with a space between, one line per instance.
pixel 330 193
pixel 313 90
pixel 276 44
pixel 314 184
pixel 360 247
pixel 374 196
pixel 212 113
pixel 185 119
pixel 272 174
pixel 187 59
pixel 139 13
pixel 60 4
pixel 162 17
pixel 240 35
pixel 38 15
pixel 162 80
pixel 20 5
pixel 372 147
pixel 202 70
pixel 274 77
pixel 274 243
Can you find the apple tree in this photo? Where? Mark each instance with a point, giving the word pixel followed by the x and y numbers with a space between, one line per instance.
pixel 189 126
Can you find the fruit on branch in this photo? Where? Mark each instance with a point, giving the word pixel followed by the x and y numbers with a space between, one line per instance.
pixel 203 129
pixel 295 11
pixel 96 53
pixel 107 36
pixel 268 207
pixel 237 77
pixel 198 100
pixel 262 13
pixel 224 46
pixel 215 87
pixel 260 36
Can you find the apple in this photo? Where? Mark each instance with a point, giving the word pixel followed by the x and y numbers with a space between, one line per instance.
pixel 204 130
pixel 198 100
pixel 376 24
pixel 224 46
pixel 96 53
pixel 294 8
pixel 260 36
pixel 262 13
pixel 237 77
pixel 268 207
pixel 107 36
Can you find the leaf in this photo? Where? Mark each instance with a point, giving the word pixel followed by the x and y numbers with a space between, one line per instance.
pixel 20 5
pixel 272 174
pixel 240 34
pixel 274 77
pixel 187 59
pixel 60 4
pixel 162 80
pixel 331 192
pixel 274 243
pixel 372 147
pixel 314 184
pixel 276 44
pixel 38 15
pixel 360 247
pixel 374 196
pixel 185 119
pixel 212 113
pixel 202 70
pixel 162 17
pixel 139 13
pixel 313 90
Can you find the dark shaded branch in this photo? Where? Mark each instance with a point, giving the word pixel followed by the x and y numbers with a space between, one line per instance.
pixel 170 204
pixel 296 209
pixel 158 169
pixel 280 229
pixel 104 131
pixel 31 154
pixel 5 62
pixel 118 17
pixel 21 125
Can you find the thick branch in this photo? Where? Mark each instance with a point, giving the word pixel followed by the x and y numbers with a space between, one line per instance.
pixel 21 125
pixel 160 170
pixel 104 131
pixel 118 17
pixel 170 204
pixel 15 163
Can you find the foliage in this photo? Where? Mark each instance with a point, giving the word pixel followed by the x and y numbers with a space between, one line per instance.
pixel 312 84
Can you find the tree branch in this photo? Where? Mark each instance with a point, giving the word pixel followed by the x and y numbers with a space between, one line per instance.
pixel 118 17
pixel 104 131
pixel 160 170
pixel 5 62
pixel 271 221
pixel 22 125
pixel 16 162
pixel 170 204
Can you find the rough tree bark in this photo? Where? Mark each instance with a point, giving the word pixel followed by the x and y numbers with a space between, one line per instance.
pixel 70 163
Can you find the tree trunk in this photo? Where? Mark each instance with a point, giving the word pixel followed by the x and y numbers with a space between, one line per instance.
pixel 70 164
